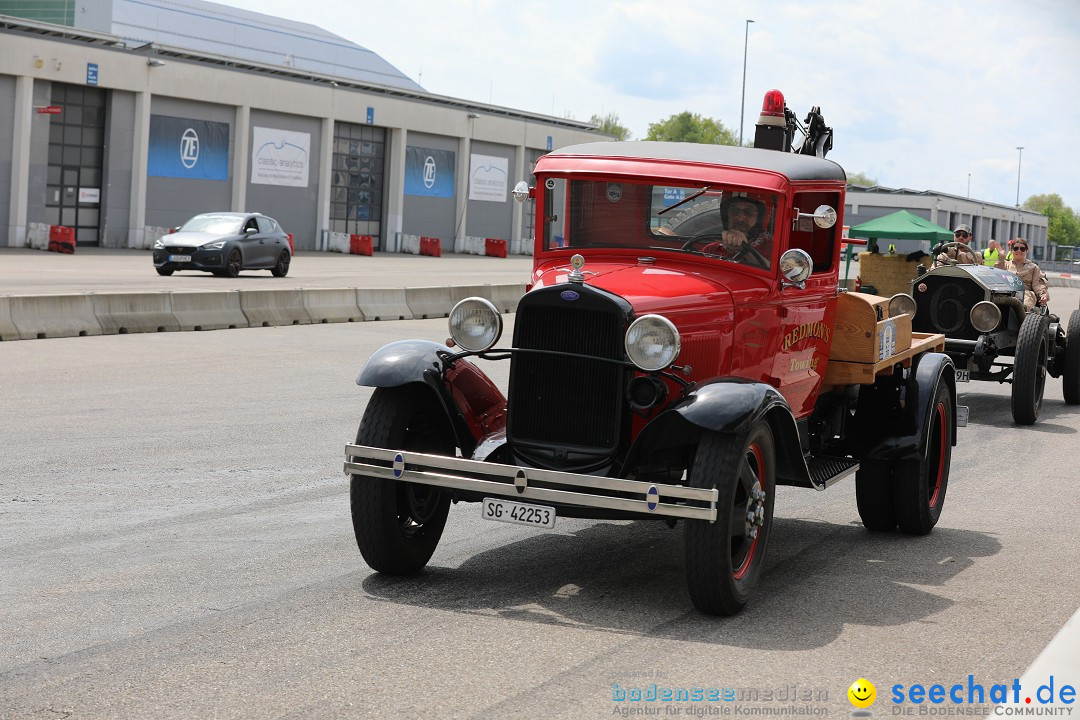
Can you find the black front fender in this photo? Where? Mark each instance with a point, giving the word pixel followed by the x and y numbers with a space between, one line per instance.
pixel 928 372
pixel 730 406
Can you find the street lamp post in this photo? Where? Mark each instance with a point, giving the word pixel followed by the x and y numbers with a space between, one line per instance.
pixel 1018 161
pixel 969 186
pixel 742 106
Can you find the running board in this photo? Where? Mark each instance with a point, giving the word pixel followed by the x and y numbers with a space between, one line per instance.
pixel 825 470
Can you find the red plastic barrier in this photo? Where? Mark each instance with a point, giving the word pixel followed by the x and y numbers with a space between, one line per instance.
pixel 292 248
pixel 61 239
pixel 361 245
pixel 430 246
pixel 494 247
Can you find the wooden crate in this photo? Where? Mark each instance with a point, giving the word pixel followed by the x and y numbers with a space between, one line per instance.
pixel 839 372
pixel 863 331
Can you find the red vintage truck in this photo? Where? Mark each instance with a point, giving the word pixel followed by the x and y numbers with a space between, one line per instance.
pixel 683 348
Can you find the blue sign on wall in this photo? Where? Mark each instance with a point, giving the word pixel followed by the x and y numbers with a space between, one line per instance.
pixel 91 73
pixel 549 142
pixel 371 116
pixel 183 148
pixel 428 172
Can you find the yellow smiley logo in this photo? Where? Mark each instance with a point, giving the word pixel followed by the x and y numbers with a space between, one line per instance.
pixel 862 693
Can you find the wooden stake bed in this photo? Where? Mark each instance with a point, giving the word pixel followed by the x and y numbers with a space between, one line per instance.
pixel 840 372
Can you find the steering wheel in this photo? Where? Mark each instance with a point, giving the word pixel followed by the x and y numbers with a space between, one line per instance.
pixel 703 237
pixel 750 252
pixel 946 246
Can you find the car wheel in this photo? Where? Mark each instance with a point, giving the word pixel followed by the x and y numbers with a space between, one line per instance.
pixel 397 524
pixel 234 264
pixel 874 495
pixel 724 558
pixel 164 271
pixel 919 485
pixel 282 267
pixel 1070 378
pixel 1029 370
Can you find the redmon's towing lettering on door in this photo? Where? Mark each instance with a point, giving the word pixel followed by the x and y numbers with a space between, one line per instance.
pixel 807 330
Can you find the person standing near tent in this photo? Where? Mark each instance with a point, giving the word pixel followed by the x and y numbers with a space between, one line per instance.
pixel 1036 289
pixel 959 253
pixel 992 254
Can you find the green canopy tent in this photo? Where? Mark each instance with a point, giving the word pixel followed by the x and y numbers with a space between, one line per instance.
pixel 901 225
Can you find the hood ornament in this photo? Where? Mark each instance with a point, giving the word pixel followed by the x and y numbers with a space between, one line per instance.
pixel 576 276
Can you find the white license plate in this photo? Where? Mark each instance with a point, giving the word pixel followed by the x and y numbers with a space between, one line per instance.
pixel 179 258
pixel 963 376
pixel 519 513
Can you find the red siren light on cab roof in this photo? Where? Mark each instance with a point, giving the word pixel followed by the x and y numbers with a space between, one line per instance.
pixel 773 103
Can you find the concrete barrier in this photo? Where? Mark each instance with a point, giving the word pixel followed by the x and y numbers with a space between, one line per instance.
pixel 429 302
pixel 265 308
pixel 383 304
pixel 8 331
pixel 52 316
pixel 410 244
pixel 215 310
pixel 37 236
pixel 332 305
pixel 338 242
pixel 120 313
pixel 505 297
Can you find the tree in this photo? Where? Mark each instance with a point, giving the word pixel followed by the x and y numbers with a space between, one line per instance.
pixel 689 127
pixel 609 125
pixel 1064 225
pixel 858 178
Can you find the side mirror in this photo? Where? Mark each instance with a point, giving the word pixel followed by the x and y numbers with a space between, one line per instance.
pixel 795 266
pixel 824 216
pixel 522 191
pixel 250 231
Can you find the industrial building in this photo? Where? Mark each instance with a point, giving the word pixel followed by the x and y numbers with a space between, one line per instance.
pixel 120 118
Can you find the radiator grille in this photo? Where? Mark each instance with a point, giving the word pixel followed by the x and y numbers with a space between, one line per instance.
pixel 563 400
pixel 945 305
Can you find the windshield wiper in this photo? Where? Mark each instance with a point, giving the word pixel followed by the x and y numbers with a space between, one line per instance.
pixel 686 199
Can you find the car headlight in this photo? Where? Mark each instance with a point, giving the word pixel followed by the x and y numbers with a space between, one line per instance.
pixel 475 324
pixel 216 245
pixel 652 342
pixel 985 316
pixel 901 304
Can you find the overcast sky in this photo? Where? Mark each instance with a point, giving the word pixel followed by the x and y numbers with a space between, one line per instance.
pixel 920 94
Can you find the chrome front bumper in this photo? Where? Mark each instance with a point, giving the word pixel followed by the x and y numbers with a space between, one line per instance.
pixel 648 499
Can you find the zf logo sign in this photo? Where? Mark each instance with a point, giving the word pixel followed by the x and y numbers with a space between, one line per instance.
pixel 189 148
pixel 429 171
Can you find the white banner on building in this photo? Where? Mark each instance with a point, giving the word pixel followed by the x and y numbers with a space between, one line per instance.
pixel 487 178
pixel 280 157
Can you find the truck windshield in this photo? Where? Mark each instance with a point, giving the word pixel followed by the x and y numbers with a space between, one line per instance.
pixel 725 222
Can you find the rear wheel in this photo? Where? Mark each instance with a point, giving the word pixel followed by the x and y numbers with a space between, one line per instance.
pixel 919 485
pixel 724 558
pixel 874 495
pixel 398 524
pixel 282 267
pixel 1070 378
pixel 1029 370
pixel 234 264
pixel 164 271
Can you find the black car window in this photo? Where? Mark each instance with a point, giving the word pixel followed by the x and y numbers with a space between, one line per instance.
pixel 251 224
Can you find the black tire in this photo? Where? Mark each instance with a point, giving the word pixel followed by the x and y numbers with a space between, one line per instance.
pixel 1029 370
pixel 1070 377
pixel 874 495
pixel 234 264
pixel 397 524
pixel 919 486
pixel 723 559
pixel 282 267
pixel 164 271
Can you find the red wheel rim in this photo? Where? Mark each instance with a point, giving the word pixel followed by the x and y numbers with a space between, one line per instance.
pixel 759 470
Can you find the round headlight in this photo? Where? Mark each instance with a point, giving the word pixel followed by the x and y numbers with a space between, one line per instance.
pixel 652 342
pixel 475 324
pixel 985 316
pixel 901 304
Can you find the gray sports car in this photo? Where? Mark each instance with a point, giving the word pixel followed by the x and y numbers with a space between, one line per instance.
pixel 225 243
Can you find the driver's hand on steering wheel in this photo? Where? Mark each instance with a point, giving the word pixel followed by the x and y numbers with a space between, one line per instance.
pixel 734 239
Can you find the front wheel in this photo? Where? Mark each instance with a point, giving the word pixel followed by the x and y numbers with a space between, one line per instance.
pixel 1070 377
pixel 398 524
pixel 919 485
pixel 234 264
pixel 1029 370
pixel 281 269
pixel 724 558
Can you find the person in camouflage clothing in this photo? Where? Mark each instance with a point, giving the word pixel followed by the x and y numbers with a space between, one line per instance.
pixel 1036 289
